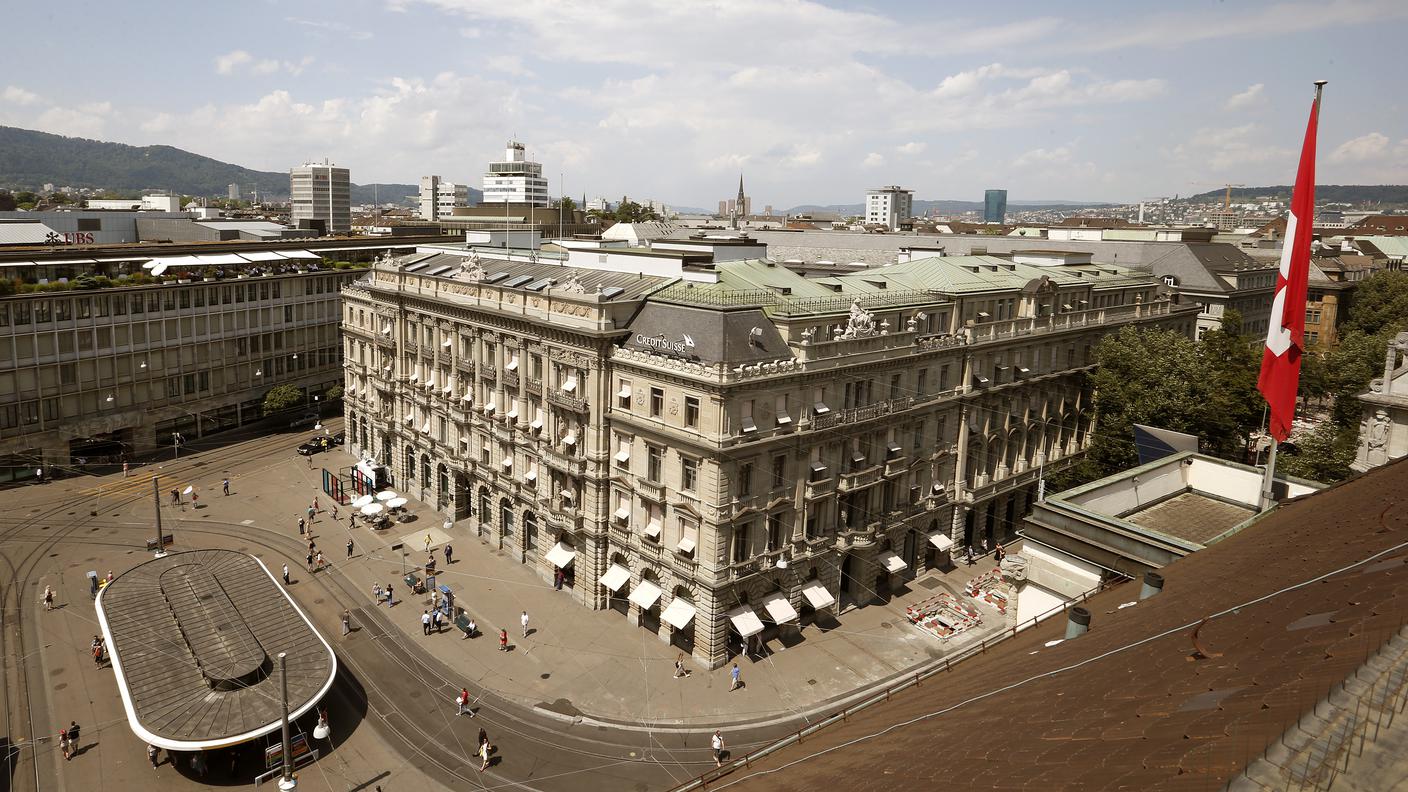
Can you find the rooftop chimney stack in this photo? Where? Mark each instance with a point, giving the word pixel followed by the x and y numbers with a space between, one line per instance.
pixel 1153 584
pixel 1079 623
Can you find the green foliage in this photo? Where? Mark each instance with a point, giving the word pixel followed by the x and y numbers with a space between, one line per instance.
pixel 1379 303
pixel 632 212
pixel 7 201
pixel 280 398
pixel 567 204
pixel 1323 454
pixel 1337 193
pixel 334 393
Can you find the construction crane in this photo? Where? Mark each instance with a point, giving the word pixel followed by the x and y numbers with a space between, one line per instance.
pixel 1227 199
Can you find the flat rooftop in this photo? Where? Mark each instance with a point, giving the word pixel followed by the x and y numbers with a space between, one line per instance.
pixel 194 638
pixel 1192 516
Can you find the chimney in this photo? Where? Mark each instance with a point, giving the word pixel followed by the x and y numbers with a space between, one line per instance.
pixel 1153 584
pixel 1079 622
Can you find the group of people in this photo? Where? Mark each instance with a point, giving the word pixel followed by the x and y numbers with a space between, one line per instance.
pixel 99 650
pixel 68 740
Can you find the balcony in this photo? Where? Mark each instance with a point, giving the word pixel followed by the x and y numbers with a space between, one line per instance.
pixel 650 490
pixel 563 520
pixel 535 385
pixel 820 488
pixel 850 482
pixel 567 402
pixel 509 379
pixel 573 466
pixel 410 345
pixel 869 412
pixel 465 366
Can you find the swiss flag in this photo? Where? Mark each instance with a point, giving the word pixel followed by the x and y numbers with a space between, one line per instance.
pixel 1285 333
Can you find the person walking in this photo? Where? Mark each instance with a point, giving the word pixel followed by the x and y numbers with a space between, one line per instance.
pixel 462 701
pixel 998 554
pixel 310 562
pixel 285 574
pixel 717 743
pixel 301 529
pixel 72 738
pixel 448 552
pixel 524 621
pixel 311 513
pixel 346 621
pixel 225 487
pixel 439 618
pixel 318 561
pixel 316 508
pixel 679 666
pixel 124 470
pixel 484 754
pixel 969 558
pixel 351 521
pixel 64 742
pixel 334 511
pixel 503 640
pixel 48 598
pixel 390 599
pixel 376 593
pixel 96 648
pixel 427 541
pixel 152 755
pixel 736 677
pixel 557 578
pixel 349 548
pixel 425 623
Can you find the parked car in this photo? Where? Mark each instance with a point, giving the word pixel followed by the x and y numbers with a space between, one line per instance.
pixel 315 446
pixel 306 419
pixel 339 438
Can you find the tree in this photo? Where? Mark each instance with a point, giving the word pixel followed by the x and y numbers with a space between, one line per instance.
pixel 1380 303
pixel 567 205
pixel 7 201
pixel 1322 454
pixel 1231 407
pixel 334 393
pixel 280 398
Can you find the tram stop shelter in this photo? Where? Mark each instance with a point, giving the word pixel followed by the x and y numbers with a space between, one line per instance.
pixel 194 639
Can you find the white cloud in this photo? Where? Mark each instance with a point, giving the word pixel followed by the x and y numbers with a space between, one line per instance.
pixel 1252 97
pixel 17 95
pixel 322 26
pixel 1042 156
pixel 1364 148
pixel 873 159
pixel 1169 31
pixel 1219 153
pixel 912 147
pixel 227 63
pixel 508 64
pixel 87 122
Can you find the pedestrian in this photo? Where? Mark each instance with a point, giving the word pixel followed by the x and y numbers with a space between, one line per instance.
pixel 503 640
pixel 152 755
pixel 351 521
pixel 225 486
pixel 425 623
pixel 435 620
pixel 969 560
pixel 985 545
pixel 717 743
pixel 679 666
pixel 63 742
pixel 312 545
pixel 390 600
pixel 286 575
pixel 310 461
pixel 470 628
pixel 524 621
pixel 484 754
pixel 175 497
pixel 97 649
pixel 316 508
pixel 319 561
pixel 195 500
pixel 72 737
pixel 334 511
pixel 999 554
pixel 737 677
pixel 48 598
pixel 349 548
pixel 310 562
pixel 557 578
pixel 427 541
pixel 463 701
pixel 110 576
pixel 448 552
pixel 376 592
pixel 311 512
pixel 124 475
pixel 301 531
pixel 346 622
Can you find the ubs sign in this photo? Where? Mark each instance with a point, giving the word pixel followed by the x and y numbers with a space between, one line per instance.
pixel 684 347
pixel 68 238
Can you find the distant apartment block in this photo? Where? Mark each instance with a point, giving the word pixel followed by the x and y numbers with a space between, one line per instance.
pixel 234 192
pixel 321 197
pixel 890 207
pixel 440 198
pixel 515 179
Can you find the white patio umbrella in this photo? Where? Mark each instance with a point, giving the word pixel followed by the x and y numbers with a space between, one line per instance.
pixel 371 509
pixel 362 501
pixel 385 495
pixel 396 503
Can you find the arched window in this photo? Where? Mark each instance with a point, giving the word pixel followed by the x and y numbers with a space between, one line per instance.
pixel 444 482
pixel 530 531
pixel 410 464
pixel 506 517
pixel 425 471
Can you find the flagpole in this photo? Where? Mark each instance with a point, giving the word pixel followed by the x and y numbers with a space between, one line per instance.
pixel 1268 499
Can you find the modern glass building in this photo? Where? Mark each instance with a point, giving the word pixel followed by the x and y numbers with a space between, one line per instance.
pixel 994 206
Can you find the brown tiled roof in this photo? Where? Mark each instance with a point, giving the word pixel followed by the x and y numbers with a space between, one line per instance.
pixel 1127 706
pixel 1389 225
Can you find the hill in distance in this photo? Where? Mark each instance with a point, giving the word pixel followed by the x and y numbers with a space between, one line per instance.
pixel 923 207
pixel 1359 194
pixel 29 159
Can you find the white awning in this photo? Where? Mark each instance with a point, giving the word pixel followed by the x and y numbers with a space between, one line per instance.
pixel 512 415
pixel 531 475
pixel 415 378
pixel 679 613
pixel 467 397
pixel 645 594
pixel 507 462
pixel 447 343
pixel 615 577
pixel 779 608
pixel 512 364
pixel 625 392
pixel 449 388
pixel 221 259
pixel 892 562
pixel 653 529
pixel 624 455
pixel 409 419
pixel 686 545
pixel 623 513
pixel 490 407
pixel 536 424
pixel 745 621
pixel 940 540
pixel 300 254
pixel 570 385
pixel 570 439
pixel 386 330
pixel 430 381
pixel 560 555
pixel 817 595
pixel 426 429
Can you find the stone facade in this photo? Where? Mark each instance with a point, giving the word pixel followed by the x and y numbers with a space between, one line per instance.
pixel 731 448
pixel 1383 433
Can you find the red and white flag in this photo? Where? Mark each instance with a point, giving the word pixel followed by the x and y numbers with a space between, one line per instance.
pixel 1285 333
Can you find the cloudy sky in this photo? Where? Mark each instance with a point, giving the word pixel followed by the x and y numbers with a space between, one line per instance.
pixel 813 102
